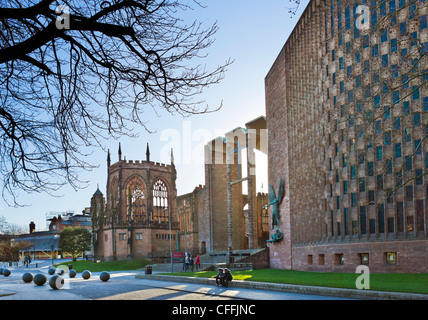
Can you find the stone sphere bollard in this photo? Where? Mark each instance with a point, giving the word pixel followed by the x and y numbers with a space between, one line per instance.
pixel 72 273
pixel 6 272
pixel 104 276
pixel 56 282
pixel 86 274
pixel 61 271
pixel 51 270
pixel 1 270
pixel 27 277
pixel 39 279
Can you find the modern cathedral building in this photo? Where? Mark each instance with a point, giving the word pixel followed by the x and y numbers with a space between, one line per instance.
pixel 347 119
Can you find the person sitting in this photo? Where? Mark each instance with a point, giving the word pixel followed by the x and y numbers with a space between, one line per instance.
pixel 219 277
pixel 227 277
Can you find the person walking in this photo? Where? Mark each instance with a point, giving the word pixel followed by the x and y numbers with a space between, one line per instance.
pixel 186 261
pixel 197 263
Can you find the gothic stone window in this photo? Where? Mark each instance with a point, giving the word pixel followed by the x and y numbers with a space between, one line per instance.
pixel 136 200
pixel 113 197
pixel 160 202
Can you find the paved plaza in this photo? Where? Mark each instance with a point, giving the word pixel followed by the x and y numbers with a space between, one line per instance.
pixel 136 285
pixel 125 285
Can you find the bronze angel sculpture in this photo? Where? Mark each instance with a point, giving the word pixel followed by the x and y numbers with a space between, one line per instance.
pixel 275 201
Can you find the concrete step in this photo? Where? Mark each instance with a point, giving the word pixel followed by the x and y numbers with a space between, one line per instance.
pixel 214 260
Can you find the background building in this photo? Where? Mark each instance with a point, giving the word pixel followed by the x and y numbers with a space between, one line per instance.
pixel 346 107
pixel 83 220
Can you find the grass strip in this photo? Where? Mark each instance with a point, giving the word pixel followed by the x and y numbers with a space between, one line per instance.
pixel 393 282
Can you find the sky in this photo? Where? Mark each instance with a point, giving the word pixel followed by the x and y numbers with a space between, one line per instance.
pixel 251 33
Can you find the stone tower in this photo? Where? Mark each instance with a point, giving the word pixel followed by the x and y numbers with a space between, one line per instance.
pixel 139 206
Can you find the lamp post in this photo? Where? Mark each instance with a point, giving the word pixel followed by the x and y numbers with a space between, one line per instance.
pixel 170 238
pixel 262 220
pixel 185 226
pixel 55 236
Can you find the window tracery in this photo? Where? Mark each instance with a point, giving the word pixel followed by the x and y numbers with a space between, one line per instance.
pixel 136 200
pixel 160 201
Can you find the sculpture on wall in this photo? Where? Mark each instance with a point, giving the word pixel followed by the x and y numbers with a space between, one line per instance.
pixel 275 201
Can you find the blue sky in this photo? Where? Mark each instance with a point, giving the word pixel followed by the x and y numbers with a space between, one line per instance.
pixel 251 33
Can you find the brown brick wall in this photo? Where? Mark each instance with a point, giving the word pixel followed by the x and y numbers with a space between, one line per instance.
pixel 278 155
pixel 311 99
pixel 216 184
pixel 412 256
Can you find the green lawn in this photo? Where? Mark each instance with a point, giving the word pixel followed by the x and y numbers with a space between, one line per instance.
pixel 395 282
pixel 131 264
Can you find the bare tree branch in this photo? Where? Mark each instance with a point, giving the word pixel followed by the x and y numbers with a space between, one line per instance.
pixel 65 90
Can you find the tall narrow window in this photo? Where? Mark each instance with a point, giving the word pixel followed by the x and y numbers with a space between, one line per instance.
pixel 353 200
pixel 425 104
pixel 423 22
pixel 379 182
pixel 420 220
pixel 347 18
pixel 400 217
pixel 397 150
pixel 346 223
pixel 397 123
pixel 385 62
pixel 363 218
pixel 353 172
pixel 393 43
pixel 383 35
pixel 160 202
pixel 371 197
pixel 379 153
pixel 387 138
pixel 409 193
pixel 362 185
pixel 381 218
pixel 391 225
pixel 136 199
pixel 388 166
pixel 370 169
pixel 375 50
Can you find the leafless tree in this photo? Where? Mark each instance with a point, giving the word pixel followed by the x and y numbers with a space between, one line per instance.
pixel 74 72
pixel 9 248
pixel 7 228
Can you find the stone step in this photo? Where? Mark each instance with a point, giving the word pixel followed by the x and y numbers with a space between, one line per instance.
pixel 214 260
